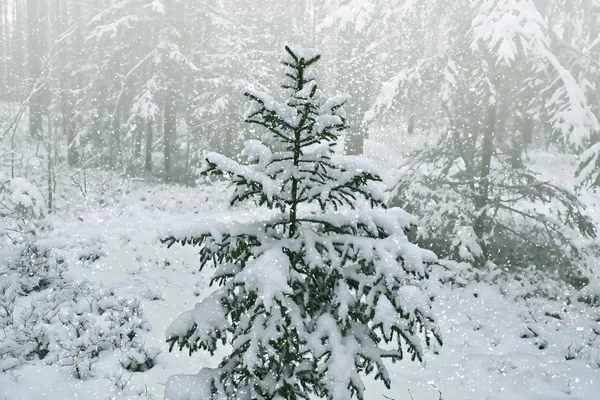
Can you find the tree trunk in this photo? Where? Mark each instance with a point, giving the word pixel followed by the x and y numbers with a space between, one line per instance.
pixel 522 137
pixel 36 43
pixel 66 99
pixel 49 143
pixel 411 124
pixel 73 84
pixel 169 134
pixel 114 144
pixel 148 149
pixel 136 144
pixel 482 197
pixel 4 53
pixel 17 72
pixel 527 126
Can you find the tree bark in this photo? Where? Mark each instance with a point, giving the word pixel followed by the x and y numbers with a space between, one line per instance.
pixel 136 143
pixel 74 84
pixel 148 149
pixel 169 134
pixel 411 124
pixel 4 53
pixel 482 197
pixel 37 24
pixel 16 70
pixel 114 143
pixel 67 58
pixel 527 126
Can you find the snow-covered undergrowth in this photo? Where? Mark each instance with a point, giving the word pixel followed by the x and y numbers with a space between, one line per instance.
pixel 107 314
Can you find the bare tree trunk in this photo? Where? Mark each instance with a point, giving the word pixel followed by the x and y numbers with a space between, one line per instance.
pixel 36 42
pixel 169 135
pixel 73 83
pixel 66 57
pixel 522 137
pixel 70 133
pixel 18 73
pixel 527 126
pixel 148 149
pixel 4 53
pixel 114 143
pixel 482 198
pixel 136 143
pixel 411 124
pixel 50 166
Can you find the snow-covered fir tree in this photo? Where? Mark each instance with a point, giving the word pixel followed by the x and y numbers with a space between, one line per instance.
pixel 489 92
pixel 309 293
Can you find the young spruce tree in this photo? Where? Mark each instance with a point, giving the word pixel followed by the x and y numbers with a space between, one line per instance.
pixel 308 294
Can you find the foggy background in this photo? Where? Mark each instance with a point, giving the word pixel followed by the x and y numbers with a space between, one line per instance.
pixel 147 85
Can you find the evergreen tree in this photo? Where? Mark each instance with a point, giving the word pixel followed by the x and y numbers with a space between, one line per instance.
pixel 488 87
pixel 309 293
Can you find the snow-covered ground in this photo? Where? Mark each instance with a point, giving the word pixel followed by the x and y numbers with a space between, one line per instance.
pixel 495 347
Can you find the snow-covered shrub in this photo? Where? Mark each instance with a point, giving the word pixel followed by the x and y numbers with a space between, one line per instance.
pixel 22 209
pixel 33 338
pixel 139 358
pixel 503 214
pixel 119 381
pixel 21 198
pixel 80 359
pixel 99 323
pixel 90 255
pixel 521 284
pixel 71 324
pixel 79 343
pixel 590 293
pixel 198 288
pixel 125 318
pixel 38 267
pixel 27 338
pixel 8 296
pixel 461 274
pixel 22 226
pixel 532 282
pixel 310 290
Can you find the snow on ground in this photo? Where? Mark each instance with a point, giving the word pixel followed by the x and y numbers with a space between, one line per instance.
pixel 495 347
pixel 124 233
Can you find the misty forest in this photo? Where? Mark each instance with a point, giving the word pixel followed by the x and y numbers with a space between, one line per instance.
pixel 300 199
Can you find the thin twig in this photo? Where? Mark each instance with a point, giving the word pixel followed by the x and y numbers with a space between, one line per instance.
pixel 530 313
pixel 438 390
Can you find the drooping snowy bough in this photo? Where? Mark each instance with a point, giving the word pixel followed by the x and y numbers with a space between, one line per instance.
pixel 309 293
